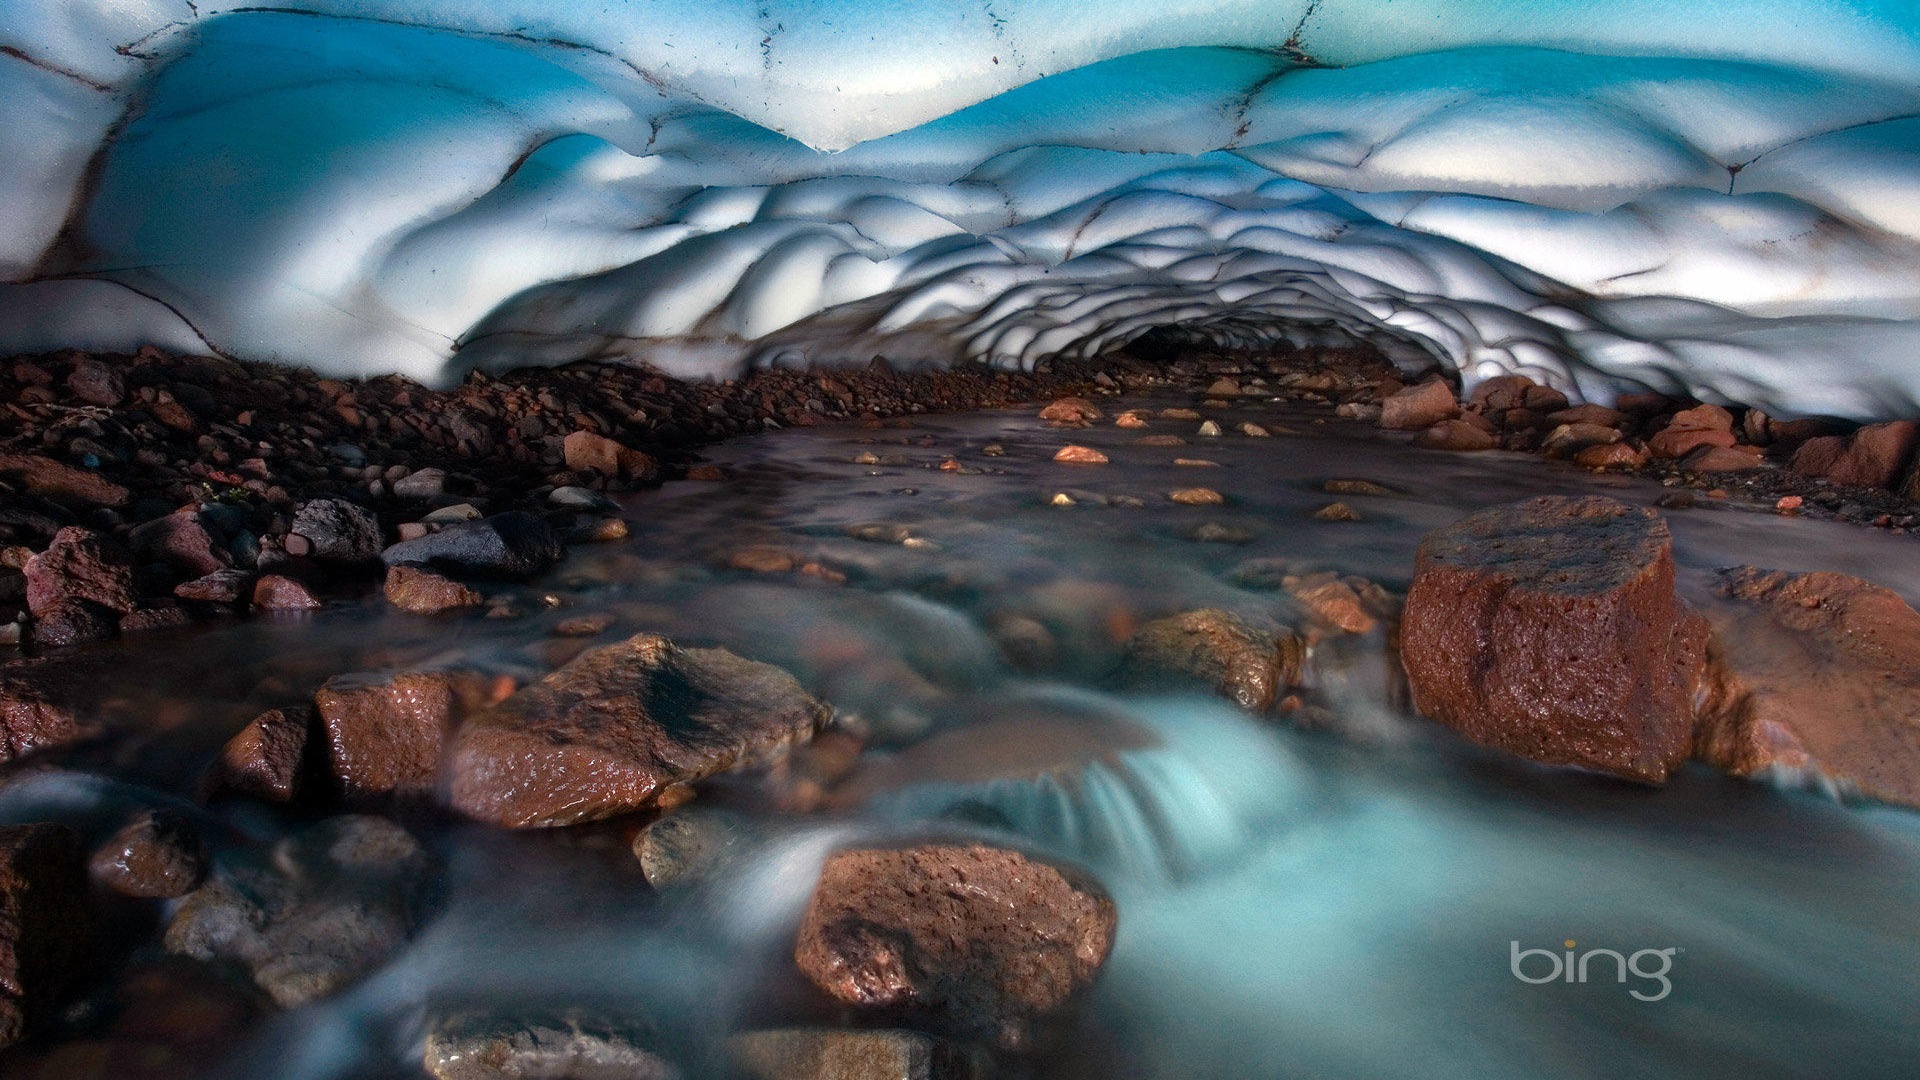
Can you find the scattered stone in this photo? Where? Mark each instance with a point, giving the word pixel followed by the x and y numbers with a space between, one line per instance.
pixel 1213 532
pixel 274 592
pixel 1333 601
pixel 1549 628
pixel 74 622
pixel 1071 410
pixel 336 530
pixel 1179 414
pixel 30 721
pixel 1418 407
pixel 1197 496
pixel 1338 511
pixel 162 615
pixel 688 844
pixel 421 591
pixel 764 559
pixel 622 726
pixel 1246 664
pixel 1722 459
pixel 977 940
pixel 590 453
pixel 383 732
pixel 1080 455
pixel 1209 429
pixel 156 856
pixel 50 479
pixel 80 564
pixel 421 484
pixel 1618 455
pixel 567 1045
pixel 865 1054
pixel 1253 430
pixel 515 545
pixel 1877 455
pixel 46 934
pixel 1356 487
pixel 1159 440
pixel 1568 440
pixel 1061 498
pixel 582 626
pixel 707 473
pixel 1223 388
pixel 1458 435
pixel 1814 674
pixel 1702 425
pixel 1195 463
pixel 265 758
pixel 580 498
pixel 1132 418
pixel 455 514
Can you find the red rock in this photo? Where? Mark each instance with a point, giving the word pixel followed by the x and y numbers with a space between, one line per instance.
pixel 81 564
pixel 622 726
pixel 1245 663
pixel 181 542
pixel 590 453
pixel 1500 393
pixel 1589 414
pixel 1723 459
pixel 1459 435
pixel 96 384
pixel 1568 440
pixel 1333 602
pixel 976 940
pixel 1080 455
pixel 1789 433
pixel 1618 455
pixel 46 933
pixel 1197 497
pixel 421 591
pixel 156 856
pixel 1815 672
pixel 1549 628
pixel 1877 455
pixel 30 721
pixel 383 732
pixel 1418 407
pixel 276 593
pixel 1071 410
pixel 50 479
pixel 220 587
pixel 74 622
pixel 264 759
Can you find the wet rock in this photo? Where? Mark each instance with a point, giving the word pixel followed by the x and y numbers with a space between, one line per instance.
pixel 383 732
pixel 81 564
pixel 1179 414
pixel 1355 487
pixel 1568 440
pixel 1690 429
pixel 74 622
pixel 764 559
pixel 1197 497
pixel 1418 407
pixel 515 545
pixel 265 758
pixel 1254 431
pixel 1723 459
pixel 867 1054
pixel 46 933
pixel 1132 418
pixel 156 856
pixel 1337 511
pixel 1877 455
pixel 50 479
pixel 159 615
pixel 621 726
pixel 182 543
pixel 1333 602
pixel 276 592
pixel 1159 440
pixel 1209 429
pixel 1549 628
pixel 335 530
pixel 590 453
pixel 570 1044
pixel 689 843
pixel 421 591
pixel 1457 435
pixel 1080 455
pixel 1075 411
pixel 335 901
pixel 1618 455
pixel 978 941
pixel 1245 663
pixel 1214 532
pixel 580 498
pixel 31 721
pixel 584 626
pixel 1815 672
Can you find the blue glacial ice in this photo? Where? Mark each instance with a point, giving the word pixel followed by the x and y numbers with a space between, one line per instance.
pixel 1721 198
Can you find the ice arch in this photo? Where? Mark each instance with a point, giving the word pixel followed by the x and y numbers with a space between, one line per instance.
pixel 1716 197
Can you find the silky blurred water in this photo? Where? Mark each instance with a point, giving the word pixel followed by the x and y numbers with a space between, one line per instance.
pixel 1330 903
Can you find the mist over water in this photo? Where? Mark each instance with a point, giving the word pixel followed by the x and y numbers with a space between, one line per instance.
pixel 1293 903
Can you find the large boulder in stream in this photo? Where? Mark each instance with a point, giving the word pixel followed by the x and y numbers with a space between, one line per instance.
pixel 621 726
pixel 1550 628
pixel 1817 672
pixel 977 941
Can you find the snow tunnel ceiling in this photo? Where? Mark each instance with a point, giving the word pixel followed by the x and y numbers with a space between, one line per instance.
pixel 1721 197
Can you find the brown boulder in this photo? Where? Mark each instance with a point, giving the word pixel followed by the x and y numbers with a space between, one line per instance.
pixel 590 453
pixel 621 726
pixel 1418 407
pixel 423 592
pixel 30 721
pixel 50 479
pixel 156 856
pixel 81 564
pixel 1589 414
pixel 1815 672
pixel 45 930
pixel 1241 662
pixel 1569 439
pixel 1874 456
pixel 979 941
pixel 1723 459
pixel 1071 410
pixel 1618 455
pixel 274 592
pixel 264 759
pixel 1460 435
pixel 182 543
pixel 383 732
pixel 1080 455
pixel 1690 429
pixel 1549 628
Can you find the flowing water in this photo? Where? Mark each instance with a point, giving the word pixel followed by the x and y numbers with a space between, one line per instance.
pixel 1341 902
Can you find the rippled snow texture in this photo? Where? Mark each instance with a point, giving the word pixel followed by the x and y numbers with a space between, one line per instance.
pixel 1720 199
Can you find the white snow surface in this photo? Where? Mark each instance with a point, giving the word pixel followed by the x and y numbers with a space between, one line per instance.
pixel 1721 198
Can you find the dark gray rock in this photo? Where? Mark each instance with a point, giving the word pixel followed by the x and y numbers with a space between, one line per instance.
pixel 515 545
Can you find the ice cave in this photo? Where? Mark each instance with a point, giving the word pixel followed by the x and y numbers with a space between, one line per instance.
pixel 947 539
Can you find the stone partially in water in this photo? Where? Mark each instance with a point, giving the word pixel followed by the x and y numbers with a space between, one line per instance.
pixel 421 591
pixel 1549 628
pixel 1244 663
pixel 264 759
pixel 155 856
pixel 1815 671
pixel 566 1045
pixel 336 530
pixel 81 564
pixel 621 725
pixel 827 1054
pixel 383 732
pixel 1418 407
pixel 976 940
pixel 515 545
pixel 31 721
pixel 688 844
